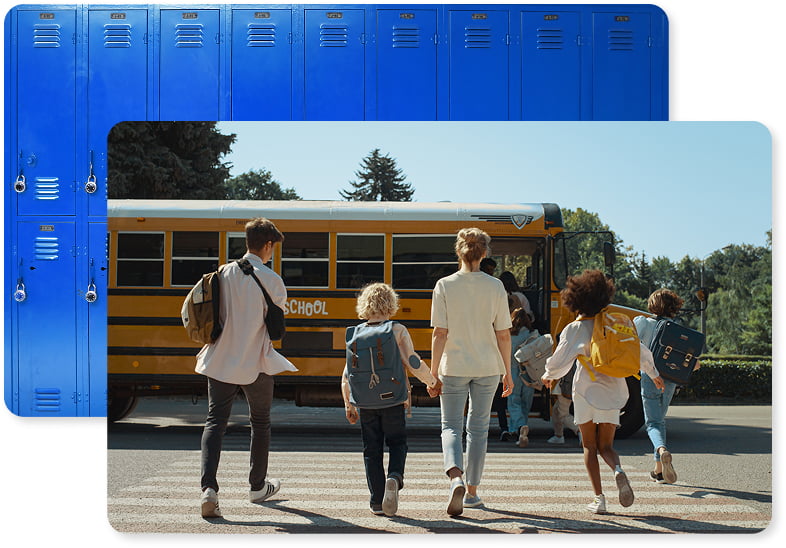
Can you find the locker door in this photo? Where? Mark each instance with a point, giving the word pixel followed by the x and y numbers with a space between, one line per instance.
pixel 46 92
pixel 406 64
pixel 117 88
pixel 96 376
pixel 550 66
pixel 189 64
pixel 478 65
pixel 334 67
pixel 262 64
pixel 46 319
pixel 621 66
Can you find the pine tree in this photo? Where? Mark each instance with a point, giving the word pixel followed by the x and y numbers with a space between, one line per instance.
pixel 379 180
pixel 167 160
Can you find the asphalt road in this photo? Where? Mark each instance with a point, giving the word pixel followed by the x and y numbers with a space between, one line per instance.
pixel 723 455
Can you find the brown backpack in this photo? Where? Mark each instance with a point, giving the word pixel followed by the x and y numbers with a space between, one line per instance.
pixel 200 311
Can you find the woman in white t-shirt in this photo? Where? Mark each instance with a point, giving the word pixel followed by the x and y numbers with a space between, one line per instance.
pixel 596 403
pixel 470 351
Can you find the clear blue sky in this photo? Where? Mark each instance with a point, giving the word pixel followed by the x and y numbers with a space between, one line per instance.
pixel 666 188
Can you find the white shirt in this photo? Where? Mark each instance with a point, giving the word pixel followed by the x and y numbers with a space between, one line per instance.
pixel 605 392
pixel 472 306
pixel 244 349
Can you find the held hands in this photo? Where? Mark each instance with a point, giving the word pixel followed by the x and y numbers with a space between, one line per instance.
pixel 352 414
pixel 548 383
pixel 436 390
pixel 507 385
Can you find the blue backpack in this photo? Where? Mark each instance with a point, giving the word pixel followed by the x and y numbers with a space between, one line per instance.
pixel 377 378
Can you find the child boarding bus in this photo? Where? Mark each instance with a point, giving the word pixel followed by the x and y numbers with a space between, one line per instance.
pixel 160 248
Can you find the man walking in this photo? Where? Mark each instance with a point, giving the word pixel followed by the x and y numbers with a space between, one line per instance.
pixel 243 358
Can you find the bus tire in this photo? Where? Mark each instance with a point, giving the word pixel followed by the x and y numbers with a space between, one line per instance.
pixel 119 407
pixel 632 415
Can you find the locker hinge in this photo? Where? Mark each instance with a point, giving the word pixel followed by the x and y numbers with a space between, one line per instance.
pixel 218 38
pixel 144 38
pixel 507 39
pixel 650 41
pixel 436 39
pixel 363 38
pixel 579 40
pixel 289 37
pixel 77 397
pixel 73 38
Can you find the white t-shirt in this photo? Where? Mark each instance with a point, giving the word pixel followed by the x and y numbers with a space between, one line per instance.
pixel 244 349
pixel 472 306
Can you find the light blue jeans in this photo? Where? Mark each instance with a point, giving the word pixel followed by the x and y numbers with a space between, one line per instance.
pixel 656 404
pixel 455 391
pixel 519 403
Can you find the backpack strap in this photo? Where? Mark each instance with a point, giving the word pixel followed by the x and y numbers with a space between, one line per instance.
pixel 584 360
pixel 248 269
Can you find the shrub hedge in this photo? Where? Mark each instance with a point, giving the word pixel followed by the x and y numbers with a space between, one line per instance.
pixel 729 379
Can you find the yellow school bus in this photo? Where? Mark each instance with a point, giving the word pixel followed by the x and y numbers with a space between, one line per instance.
pixel 160 248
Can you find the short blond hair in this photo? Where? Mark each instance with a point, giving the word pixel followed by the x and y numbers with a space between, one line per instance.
pixel 376 299
pixel 472 244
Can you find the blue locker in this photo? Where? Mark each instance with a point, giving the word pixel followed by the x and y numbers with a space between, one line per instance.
pixel 406 64
pixel 479 53
pixel 262 64
pixel 45 330
pixel 94 380
pixel 334 64
pixel 190 64
pixel 117 88
pixel 551 65
pixel 44 171
pixel 621 87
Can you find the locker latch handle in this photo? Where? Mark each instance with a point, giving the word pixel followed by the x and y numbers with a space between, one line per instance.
pixel 20 294
pixel 20 185
pixel 91 295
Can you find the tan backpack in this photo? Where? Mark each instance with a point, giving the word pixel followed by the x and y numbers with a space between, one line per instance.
pixel 200 311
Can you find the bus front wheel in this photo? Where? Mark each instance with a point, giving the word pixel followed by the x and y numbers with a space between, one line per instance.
pixel 119 407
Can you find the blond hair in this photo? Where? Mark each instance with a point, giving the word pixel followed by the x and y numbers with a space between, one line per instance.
pixel 376 299
pixel 472 244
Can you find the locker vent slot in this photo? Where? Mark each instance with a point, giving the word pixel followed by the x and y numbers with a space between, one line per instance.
pixel 406 37
pixel 46 36
pixel 47 399
pixel 47 188
pixel 550 39
pixel 477 37
pixel 117 36
pixel 261 36
pixel 47 248
pixel 333 36
pixel 189 35
pixel 620 40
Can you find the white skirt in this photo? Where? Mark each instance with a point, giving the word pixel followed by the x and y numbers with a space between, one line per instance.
pixel 584 412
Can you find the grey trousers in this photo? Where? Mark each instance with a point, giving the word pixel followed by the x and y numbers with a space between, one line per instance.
pixel 221 395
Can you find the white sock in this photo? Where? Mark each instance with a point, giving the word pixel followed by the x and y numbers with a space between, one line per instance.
pixel 618 470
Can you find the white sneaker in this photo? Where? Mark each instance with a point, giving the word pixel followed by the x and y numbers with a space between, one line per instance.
pixel 390 500
pixel 210 504
pixel 523 439
pixel 456 501
pixel 558 440
pixel 625 490
pixel 270 488
pixel 598 505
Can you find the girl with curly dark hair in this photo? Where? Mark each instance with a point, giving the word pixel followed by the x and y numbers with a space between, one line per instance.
pixel 596 403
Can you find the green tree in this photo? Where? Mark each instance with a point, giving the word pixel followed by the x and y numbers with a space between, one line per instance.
pixel 257 184
pixel 167 160
pixel 379 180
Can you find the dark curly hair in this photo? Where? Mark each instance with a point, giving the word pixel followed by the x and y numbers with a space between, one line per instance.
pixel 588 293
pixel 664 302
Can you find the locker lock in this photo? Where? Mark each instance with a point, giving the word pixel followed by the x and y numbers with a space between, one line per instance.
pixel 20 294
pixel 91 295
pixel 20 184
pixel 90 185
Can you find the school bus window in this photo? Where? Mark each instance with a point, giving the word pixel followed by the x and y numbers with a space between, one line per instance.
pixel 140 259
pixel 193 254
pixel 360 259
pixel 236 246
pixel 420 260
pixel 304 259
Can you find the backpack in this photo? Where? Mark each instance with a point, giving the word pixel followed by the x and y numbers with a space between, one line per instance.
pixel 675 349
pixel 200 310
pixel 377 378
pixel 614 347
pixel 532 355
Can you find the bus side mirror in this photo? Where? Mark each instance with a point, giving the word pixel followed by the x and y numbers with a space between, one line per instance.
pixel 608 256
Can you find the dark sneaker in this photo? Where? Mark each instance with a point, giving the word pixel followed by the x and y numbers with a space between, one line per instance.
pixel 390 500
pixel 657 478
pixel 270 488
pixel 210 504
pixel 456 501
pixel 669 475
pixel 625 490
pixel 506 436
pixel 376 509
